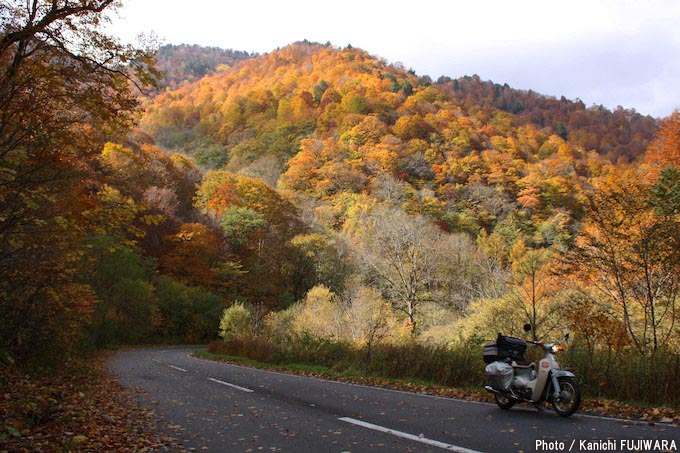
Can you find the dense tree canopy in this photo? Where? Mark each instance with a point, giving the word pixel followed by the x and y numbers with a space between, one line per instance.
pixel 330 121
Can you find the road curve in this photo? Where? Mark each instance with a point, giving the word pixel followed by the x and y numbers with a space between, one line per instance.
pixel 217 407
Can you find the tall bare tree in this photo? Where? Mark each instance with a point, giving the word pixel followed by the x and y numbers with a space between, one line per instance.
pixel 409 259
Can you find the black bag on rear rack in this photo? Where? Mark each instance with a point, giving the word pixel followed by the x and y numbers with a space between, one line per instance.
pixel 510 347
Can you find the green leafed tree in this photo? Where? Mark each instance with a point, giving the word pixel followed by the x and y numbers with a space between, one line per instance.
pixel 124 295
pixel 184 312
pixel 239 223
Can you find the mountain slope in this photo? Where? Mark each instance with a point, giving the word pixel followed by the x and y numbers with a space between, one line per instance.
pixel 324 122
pixel 184 64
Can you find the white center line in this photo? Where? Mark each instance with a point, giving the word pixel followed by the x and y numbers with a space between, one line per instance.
pixel 156 360
pixel 177 368
pixel 394 432
pixel 237 387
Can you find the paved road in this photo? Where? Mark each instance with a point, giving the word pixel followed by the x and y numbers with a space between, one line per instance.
pixel 225 408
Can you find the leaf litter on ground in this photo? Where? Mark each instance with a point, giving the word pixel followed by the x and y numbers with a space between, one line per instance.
pixel 79 408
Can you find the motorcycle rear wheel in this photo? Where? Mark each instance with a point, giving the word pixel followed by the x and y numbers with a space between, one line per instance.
pixel 504 402
pixel 570 397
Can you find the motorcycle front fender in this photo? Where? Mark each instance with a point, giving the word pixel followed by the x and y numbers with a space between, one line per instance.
pixel 562 373
pixel 554 375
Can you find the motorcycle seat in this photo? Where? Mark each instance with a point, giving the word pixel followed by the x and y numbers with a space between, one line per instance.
pixel 523 364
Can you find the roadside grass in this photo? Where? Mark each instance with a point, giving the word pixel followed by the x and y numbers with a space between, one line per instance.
pixel 236 360
pixel 296 368
pixel 350 376
pixel 593 406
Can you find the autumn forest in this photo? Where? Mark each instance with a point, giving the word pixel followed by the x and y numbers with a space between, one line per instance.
pixel 320 204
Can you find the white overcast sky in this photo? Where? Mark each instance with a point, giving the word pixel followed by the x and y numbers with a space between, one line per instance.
pixel 609 52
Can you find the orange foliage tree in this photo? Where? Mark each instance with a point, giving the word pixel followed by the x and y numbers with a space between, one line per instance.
pixel 665 150
pixel 627 251
pixel 193 255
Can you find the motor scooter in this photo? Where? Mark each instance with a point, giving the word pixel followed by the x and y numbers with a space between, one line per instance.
pixel 512 379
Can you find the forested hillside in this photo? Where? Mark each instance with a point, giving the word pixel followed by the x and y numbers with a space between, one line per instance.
pixel 498 194
pixel 618 134
pixel 184 64
pixel 326 123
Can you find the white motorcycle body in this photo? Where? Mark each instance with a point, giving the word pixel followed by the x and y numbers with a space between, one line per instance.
pixel 548 371
pixel 535 383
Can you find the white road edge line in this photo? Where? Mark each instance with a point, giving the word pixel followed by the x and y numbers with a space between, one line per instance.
pixel 156 360
pixel 178 368
pixel 237 387
pixel 394 432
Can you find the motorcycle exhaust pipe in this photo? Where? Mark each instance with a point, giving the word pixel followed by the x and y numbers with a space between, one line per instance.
pixel 490 389
pixel 509 394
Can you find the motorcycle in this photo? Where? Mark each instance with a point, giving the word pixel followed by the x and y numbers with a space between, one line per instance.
pixel 512 379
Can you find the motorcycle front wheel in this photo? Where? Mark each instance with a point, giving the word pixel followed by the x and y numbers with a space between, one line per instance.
pixel 503 401
pixel 569 399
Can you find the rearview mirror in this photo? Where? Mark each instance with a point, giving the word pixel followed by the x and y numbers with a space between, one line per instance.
pixel 527 327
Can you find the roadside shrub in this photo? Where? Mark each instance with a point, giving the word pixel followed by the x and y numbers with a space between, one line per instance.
pixel 457 367
pixel 235 320
pixel 248 346
pixel 319 351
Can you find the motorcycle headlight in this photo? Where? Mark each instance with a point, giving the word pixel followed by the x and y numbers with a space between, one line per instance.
pixel 556 348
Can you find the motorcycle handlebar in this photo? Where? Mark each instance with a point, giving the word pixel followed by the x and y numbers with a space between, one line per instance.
pixel 549 347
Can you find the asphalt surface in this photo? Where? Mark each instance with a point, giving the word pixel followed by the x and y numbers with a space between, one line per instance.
pixel 217 407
